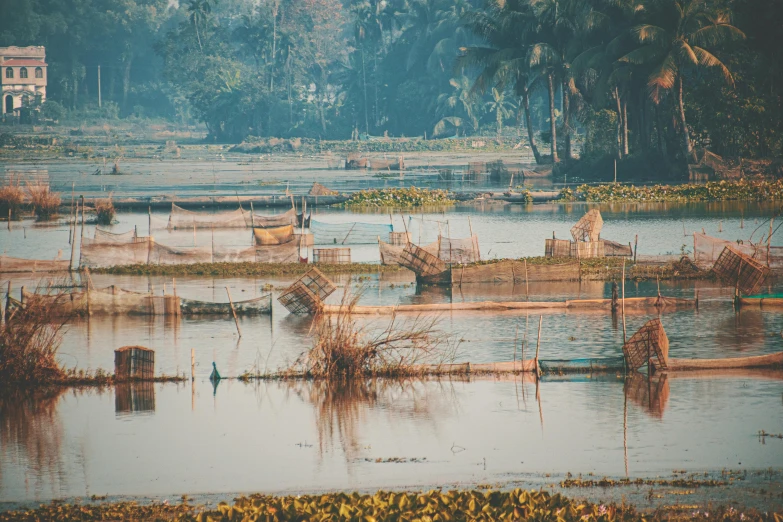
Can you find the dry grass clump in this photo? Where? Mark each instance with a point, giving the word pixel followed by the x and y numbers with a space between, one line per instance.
pixel 11 199
pixel 29 340
pixel 45 203
pixel 104 209
pixel 344 349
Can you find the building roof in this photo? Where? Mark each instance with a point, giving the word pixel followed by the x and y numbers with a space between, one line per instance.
pixel 22 62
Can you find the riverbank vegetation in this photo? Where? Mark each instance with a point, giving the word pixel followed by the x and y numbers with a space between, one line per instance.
pixel 726 190
pixel 104 210
pixel 516 504
pixel 245 269
pixel 648 76
pixel 399 198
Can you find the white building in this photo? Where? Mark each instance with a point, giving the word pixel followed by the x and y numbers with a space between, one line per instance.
pixel 22 77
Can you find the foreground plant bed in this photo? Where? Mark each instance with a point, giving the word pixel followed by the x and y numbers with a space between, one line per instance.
pixel 244 269
pixel 434 505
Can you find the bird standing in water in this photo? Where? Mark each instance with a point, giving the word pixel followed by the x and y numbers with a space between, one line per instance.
pixel 215 375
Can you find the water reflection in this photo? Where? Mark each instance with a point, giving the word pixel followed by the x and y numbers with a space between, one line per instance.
pixel 651 394
pixel 133 398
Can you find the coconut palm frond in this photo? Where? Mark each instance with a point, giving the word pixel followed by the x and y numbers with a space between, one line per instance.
pixel 710 60
pixel 663 76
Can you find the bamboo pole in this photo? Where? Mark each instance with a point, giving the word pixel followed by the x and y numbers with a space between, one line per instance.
pixel 252 218
pixel 7 312
pixel 149 221
pixel 625 339
pixel 538 346
pixel 192 364
pixel 82 234
pixel 769 237
pixel 516 338
pixel 234 312
pixel 73 243
pixel 527 286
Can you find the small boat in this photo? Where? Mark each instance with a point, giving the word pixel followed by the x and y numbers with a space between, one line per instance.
pixel 354 161
pixel 259 306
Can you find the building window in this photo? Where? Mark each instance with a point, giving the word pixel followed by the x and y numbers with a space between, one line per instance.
pixel 23 72
pixel 9 72
pixel 38 72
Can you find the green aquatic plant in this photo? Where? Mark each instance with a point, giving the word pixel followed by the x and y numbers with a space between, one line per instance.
pixel 399 198
pixel 745 189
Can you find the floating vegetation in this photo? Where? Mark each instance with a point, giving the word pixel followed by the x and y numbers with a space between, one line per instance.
pixel 758 189
pixel 613 483
pixel 399 198
pixel 763 434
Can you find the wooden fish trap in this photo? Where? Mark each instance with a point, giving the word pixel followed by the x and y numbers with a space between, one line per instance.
pixel 134 362
pixel 333 256
pixel 587 249
pixel 307 293
pixel 744 272
pixel 557 248
pixel 649 343
pixel 134 397
pixel 399 238
pixel 421 262
pixel 588 228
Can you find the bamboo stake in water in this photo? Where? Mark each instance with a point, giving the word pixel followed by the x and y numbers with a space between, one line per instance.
pixel 192 364
pixel 516 337
pixel 234 312
pixel 527 286
pixel 538 346
pixel 623 303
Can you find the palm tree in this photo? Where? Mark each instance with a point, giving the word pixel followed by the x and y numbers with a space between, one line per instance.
pixel 199 11
pixel 503 61
pixel 502 108
pixel 460 100
pixel 679 36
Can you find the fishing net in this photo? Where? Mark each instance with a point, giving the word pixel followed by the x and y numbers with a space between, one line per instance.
pixel 557 248
pixel 234 255
pixel 98 255
pixel 391 254
pixel 399 238
pixel 739 270
pixel 707 249
pixel 333 256
pixel 512 271
pixel 459 251
pixel 648 343
pixel 347 233
pixel 613 248
pixel 273 236
pixel 421 262
pixel 588 228
pixel 116 301
pixel 10 264
pixel 584 365
pixel 287 253
pixel 104 236
pixel 181 218
pixel 576 249
pixel 306 294
pixel 319 190
pixel 258 306
pixel 289 217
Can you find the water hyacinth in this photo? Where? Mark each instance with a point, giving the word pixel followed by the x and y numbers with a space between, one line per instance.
pixel 399 198
pixel 726 190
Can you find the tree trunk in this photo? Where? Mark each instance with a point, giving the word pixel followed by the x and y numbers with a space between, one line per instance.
pixel 619 124
pixel 198 36
pixel 690 155
pixel 625 126
pixel 528 124
pixel 499 119
pixel 658 129
pixel 126 80
pixel 375 85
pixel 552 123
pixel 364 79
pixel 566 120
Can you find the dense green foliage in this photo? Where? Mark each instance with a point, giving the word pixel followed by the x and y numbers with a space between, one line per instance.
pixel 399 198
pixel 743 189
pixel 622 77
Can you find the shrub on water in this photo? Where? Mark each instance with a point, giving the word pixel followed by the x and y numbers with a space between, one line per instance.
pixel 45 203
pixel 11 198
pixel 104 209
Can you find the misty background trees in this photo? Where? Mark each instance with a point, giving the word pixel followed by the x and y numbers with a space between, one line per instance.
pixel 609 78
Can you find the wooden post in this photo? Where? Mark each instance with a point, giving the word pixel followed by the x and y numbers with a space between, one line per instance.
pixel 527 286
pixel 538 346
pixel 21 295
pixel 234 312
pixel 769 237
pixel 192 364
pixel 623 303
pixel 516 338
pixel 635 245
pixel 82 234
pixel 73 243
pixel 252 218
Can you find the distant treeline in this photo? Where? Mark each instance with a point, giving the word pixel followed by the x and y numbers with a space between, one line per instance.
pixel 622 77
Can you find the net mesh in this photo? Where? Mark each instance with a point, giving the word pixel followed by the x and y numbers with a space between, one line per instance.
pixel 181 218
pixel 104 236
pixel 10 264
pixel 258 306
pixel 648 343
pixel 421 262
pixel 289 217
pixel 306 294
pixel 583 365
pixel 707 249
pixel 513 271
pixel 588 228
pixel 741 271
pixel 334 256
pixel 459 251
pixel 347 233
pixel 391 254
pixel 274 236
